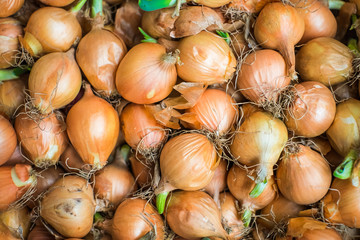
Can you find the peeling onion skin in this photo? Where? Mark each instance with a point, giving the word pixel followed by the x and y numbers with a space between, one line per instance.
pixel 8 140
pixel 9 7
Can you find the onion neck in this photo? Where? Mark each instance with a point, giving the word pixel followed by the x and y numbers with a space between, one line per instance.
pixel 170 58
pixel 344 170
pixel 75 9
pixel 9 74
pixel 335 4
pixel 17 181
pixel 160 201
pixel 246 217
pixel 31 44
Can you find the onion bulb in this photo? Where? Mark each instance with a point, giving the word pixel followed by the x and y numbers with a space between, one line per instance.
pixel 54 81
pixel 155 79
pixel 262 76
pixel 68 206
pixel 186 153
pixel 312 109
pixel 212 3
pixel 205 58
pixel 17 220
pixel 280 27
pixel 324 60
pixel 71 161
pixel 93 128
pixel 8 140
pixel 12 95
pixel 98 55
pixel 15 181
pixel 143 170
pixel 57 3
pixel 135 218
pixel 39 232
pixel 194 215
pixel 9 7
pixel 10 29
pixel 43 140
pixel 218 181
pixel 50 29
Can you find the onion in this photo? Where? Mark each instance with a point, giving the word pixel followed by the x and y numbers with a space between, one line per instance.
pixel 142 170
pixel 15 181
pixel 238 43
pixel 140 129
pixel 259 141
pixel 50 29
pixel 341 204
pixel 218 181
pixel 17 220
pixel 54 81
pixel 16 158
pixel 248 6
pixel 10 29
pixel 205 58
pixel 39 232
pixel 303 175
pixel 71 161
pixel 57 3
pixel 312 109
pixel 186 153
pixel 324 60
pixel 99 54
pixel 194 215
pixel 280 27
pixel 344 91
pixel 93 128
pixel 212 3
pixel 155 80
pixel 9 7
pixel 241 185
pixel 68 206
pixel 43 140
pixel 262 76
pixel 8 140
pixel 12 95
pixel 135 218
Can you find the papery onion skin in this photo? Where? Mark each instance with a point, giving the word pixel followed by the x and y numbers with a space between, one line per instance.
pixel 12 95
pixel 212 3
pixel 215 111
pixel 146 74
pixel 93 128
pixel 57 3
pixel 99 63
pixel 42 140
pixel 17 220
pixel 9 7
pixel 54 81
pixel 324 60
pixel 213 62
pixel 69 206
pixel 134 218
pixel 143 171
pixel 262 76
pixel 51 29
pixel 312 110
pixel 8 140
pixel 193 215
pixel 303 177
pixel 10 29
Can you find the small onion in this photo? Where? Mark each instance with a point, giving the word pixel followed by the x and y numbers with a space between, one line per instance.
pixel 68 206
pixel 8 140
pixel 57 3
pixel 54 81
pixel 93 128
pixel 205 58
pixel 312 109
pixel 218 181
pixel 9 7
pixel 10 29
pixel 43 140
pixel 155 79
pixel 194 215
pixel 12 95
pixel 17 220
pixel 325 60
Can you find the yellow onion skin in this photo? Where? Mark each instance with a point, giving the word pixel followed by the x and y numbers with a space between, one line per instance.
pixel 51 29
pixel 17 220
pixel 10 29
pixel 54 81
pixel 205 58
pixel 155 79
pixel 212 3
pixel 68 206
pixel 39 232
pixel 344 132
pixel 12 95
pixel 218 181
pixel 304 176
pixel 280 27
pixel 324 60
pixel 140 129
pixel 57 3
pixel 43 141
pixel 93 128
pixel 142 170
pixel 321 234
pixel 312 110
pixel 341 204
pixel 134 218
pixel 187 153
pixel 194 215
pixel 98 55
pixel 71 161
pixel 9 7
pixel 262 76
pixel 240 186
pixel 215 111
pixel 260 139
pixel 8 140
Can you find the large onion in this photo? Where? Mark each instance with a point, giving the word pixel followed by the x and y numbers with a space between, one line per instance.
pixel 10 29
pixel 8 140
pixel 9 7
pixel 12 95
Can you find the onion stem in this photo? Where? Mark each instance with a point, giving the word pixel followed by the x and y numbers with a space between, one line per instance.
pixel 96 8
pixel 176 12
pixel 224 35
pixel 9 74
pixel 335 4
pixel 78 6
pixel 147 37
pixel 352 45
pixel 160 201
pixel 344 170
pixel 124 153
pixel 98 218
pixel 246 217
pixel 258 189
